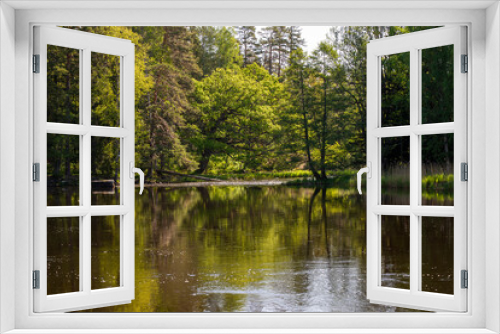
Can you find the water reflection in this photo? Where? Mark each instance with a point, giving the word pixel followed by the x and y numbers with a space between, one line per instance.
pixel 252 249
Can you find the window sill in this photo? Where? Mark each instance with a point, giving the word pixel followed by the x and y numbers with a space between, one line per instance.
pixel 251 331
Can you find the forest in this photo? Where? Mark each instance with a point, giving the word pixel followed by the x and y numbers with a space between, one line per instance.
pixel 238 101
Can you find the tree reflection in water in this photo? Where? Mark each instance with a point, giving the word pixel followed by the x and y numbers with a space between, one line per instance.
pixel 251 249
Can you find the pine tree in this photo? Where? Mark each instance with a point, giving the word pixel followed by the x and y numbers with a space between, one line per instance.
pixel 216 47
pixel 280 48
pixel 105 92
pixel 277 44
pixel 295 39
pixel 249 46
pixel 172 67
pixel 298 116
pixel 350 43
pixel 266 42
pixel 324 61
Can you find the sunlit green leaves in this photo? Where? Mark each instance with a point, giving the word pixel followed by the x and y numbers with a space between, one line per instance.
pixel 236 111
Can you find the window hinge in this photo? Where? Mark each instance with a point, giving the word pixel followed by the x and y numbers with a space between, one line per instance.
pixel 464 174
pixel 465 63
pixel 36 63
pixel 36 279
pixel 465 279
pixel 36 172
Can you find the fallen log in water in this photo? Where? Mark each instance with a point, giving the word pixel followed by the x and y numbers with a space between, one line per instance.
pixel 103 184
pixel 219 184
pixel 204 178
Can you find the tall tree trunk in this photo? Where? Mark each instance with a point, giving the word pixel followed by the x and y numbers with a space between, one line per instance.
pixel 323 134
pixel 245 53
pixel 117 94
pixel 446 153
pixel 310 162
pixel 152 143
pixel 67 162
pixel 57 168
pixel 205 159
pixel 270 58
pixel 159 170
pixel 279 59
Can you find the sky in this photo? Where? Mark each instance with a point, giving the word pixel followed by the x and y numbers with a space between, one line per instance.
pixel 313 36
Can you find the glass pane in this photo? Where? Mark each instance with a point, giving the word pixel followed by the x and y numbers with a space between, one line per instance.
pixel 105 171
pixel 105 89
pixel 396 171
pixel 437 84
pixel 395 246
pixel 63 85
pixel 437 254
pixel 437 169
pixel 395 89
pixel 105 248
pixel 63 255
pixel 63 170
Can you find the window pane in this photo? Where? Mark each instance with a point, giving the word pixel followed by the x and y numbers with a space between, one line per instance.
pixel 105 171
pixel 395 88
pixel 437 254
pixel 63 85
pixel 63 255
pixel 105 89
pixel 105 258
pixel 63 170
pixel 437 84
pixel 437 169
pixel 396 171
pixel 395 246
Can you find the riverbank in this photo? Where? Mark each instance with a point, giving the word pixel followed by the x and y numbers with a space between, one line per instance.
pixel 267 183
pixel 345 178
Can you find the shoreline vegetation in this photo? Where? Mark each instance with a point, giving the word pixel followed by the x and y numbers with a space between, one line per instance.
pixel 397 180
pixel 304 178
pixel 246 103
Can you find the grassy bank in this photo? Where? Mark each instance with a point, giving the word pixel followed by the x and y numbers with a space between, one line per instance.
pixel 340 178
pixel 261 175
pixel 347 178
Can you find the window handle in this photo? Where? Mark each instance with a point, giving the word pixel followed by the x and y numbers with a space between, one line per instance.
pixel 139 171
pixel 368 171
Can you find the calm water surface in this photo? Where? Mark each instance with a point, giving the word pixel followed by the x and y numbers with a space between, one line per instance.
pixel 251 249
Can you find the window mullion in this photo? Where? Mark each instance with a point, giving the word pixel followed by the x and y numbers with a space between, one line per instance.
pixel 86 170
pixel 86 120
pixel 414 170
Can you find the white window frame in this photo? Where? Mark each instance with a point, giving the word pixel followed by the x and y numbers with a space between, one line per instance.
pixel 483 136
pixel 85 43
pixel 414 44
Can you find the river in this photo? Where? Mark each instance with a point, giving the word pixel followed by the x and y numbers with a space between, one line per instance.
pixel 247 249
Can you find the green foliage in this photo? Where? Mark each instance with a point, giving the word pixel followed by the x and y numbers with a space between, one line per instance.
pixel 63 105
pixel 236 113
pixel 223 100
pixel 172 65
pixel 276 45
pixel 216 47
pixel 395 89
pixel 316 107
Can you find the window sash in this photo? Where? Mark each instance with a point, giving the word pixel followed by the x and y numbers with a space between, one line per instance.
pixel 414 298
pixel 85 298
